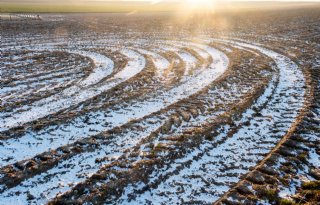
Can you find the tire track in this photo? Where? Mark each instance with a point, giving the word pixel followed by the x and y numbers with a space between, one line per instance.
pixel 233 158
pixel 138 120
pixel 162 101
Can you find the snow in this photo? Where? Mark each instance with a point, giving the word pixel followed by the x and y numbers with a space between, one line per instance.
pixel 234 156
pixel 77 94
pixel 37 142
pixel 67 173
pixel 222 164
pixel 160 62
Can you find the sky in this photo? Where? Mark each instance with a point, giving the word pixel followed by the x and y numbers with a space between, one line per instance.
pixel 134 6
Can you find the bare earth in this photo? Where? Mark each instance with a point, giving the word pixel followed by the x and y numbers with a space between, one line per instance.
pixel 159 108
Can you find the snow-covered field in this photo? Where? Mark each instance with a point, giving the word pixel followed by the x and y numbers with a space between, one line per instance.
pixel 153 120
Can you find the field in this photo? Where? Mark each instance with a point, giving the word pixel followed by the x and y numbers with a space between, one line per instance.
pixel 158 108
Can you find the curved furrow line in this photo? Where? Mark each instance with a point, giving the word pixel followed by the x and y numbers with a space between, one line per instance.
pixel 68 67
pixel 130 92
pixel 58 80
pixel 109 118
pixel 54 157
pixel 154 142
pixel 90 152
pixel 231 173
pixel 160 62
pixel 132 68
pixel 22 98
pixel 222 63
pixel 61 178
pixel 46 86
pixel 103 65
pixel 25 65
pixel 76 127
pixel 228 91
pixel 176 45
pixel 293 164
pixel 18 164
pixel 16 85
pixel 100 152
pixel 24 108
pixel 197 47
pixel 46 74
pixel 188 59
pixel 41 85
pixel 232 153
pixel 135 89
pixel 195 123
pixel 76 94
pixel 101 70
pixel 193 64
pixel 155 86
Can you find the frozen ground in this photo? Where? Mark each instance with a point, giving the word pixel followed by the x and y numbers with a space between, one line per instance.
pixel 148 118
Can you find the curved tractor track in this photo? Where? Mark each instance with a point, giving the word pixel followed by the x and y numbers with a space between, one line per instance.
pixel 147 121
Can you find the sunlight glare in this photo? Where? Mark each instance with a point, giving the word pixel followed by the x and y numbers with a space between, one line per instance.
pixel 204 5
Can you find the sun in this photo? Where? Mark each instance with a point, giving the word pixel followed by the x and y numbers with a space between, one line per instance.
pixel 206 5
